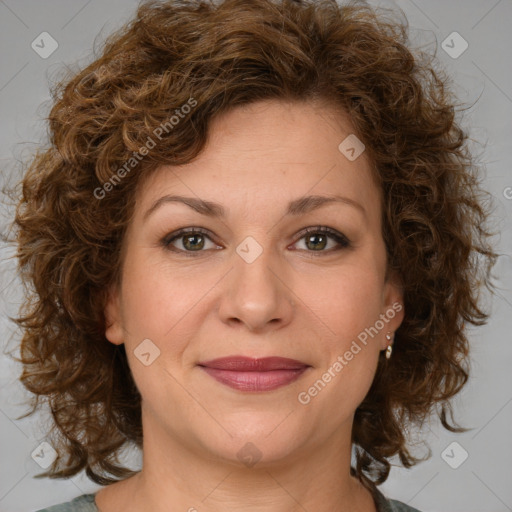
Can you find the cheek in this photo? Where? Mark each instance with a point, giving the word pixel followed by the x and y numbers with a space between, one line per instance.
pixel 152 302
pixel 346 305
pixel 163 302
pixel 347 299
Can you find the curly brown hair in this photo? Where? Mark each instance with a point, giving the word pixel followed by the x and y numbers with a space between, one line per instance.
pixel 223 55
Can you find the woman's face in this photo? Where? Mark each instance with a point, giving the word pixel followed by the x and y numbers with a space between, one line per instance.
pixel 252 283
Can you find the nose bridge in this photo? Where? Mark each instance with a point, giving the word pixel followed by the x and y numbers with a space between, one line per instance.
pixel 257 295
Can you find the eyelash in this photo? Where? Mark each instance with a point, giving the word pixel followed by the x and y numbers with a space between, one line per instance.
pixel 342 240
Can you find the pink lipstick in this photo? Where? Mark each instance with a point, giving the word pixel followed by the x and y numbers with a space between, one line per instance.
pixel 249 374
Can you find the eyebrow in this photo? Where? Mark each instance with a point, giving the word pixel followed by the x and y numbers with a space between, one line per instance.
pixel 296 207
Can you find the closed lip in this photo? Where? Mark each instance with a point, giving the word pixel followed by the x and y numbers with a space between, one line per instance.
pixel 250 364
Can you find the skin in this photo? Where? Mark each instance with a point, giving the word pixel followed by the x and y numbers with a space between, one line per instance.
pixel 291 301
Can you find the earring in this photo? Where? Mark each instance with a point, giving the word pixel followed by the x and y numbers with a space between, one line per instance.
pixel 389 349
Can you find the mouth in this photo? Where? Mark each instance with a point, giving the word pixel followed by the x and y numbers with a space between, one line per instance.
pixel 249 374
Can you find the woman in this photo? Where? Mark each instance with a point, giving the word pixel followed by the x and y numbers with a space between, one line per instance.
pixel 252 251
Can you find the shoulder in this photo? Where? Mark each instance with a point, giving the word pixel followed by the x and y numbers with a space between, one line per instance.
pixel 387 505
pixel 84 503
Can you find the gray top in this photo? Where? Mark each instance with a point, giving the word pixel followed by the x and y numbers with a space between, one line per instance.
pixel 85 503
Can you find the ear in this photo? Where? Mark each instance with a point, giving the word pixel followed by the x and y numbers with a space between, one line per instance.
pixel 113 324
pixel 393 306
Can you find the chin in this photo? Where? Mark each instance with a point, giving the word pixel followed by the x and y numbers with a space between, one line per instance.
pixel 259 441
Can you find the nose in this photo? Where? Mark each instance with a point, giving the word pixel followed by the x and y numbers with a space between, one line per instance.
pixel 257 295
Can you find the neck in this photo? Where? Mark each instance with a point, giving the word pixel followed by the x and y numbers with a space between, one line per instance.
pixel 177 475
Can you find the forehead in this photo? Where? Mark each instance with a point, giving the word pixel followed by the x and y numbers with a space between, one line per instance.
pixel 272 152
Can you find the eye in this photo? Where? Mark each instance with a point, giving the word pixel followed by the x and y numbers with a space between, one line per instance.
pixel 190 240
pixel 317 238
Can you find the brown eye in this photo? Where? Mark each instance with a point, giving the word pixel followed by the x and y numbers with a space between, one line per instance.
pixel 193 242
pixel 188 240
pixel 316 242
pixel 317 239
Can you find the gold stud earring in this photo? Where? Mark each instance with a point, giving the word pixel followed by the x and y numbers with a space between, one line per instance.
pixel 389 349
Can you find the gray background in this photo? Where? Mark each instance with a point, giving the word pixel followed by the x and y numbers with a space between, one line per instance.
pixel 483 481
